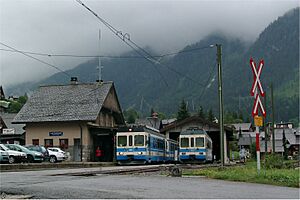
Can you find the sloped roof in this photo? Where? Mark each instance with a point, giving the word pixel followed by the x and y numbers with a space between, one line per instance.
pixel 74 102
pixel 8 118
pixel 244 141
pixel 243 126
pixel 178 123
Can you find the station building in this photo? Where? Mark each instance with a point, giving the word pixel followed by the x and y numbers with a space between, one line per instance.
pixel 78 117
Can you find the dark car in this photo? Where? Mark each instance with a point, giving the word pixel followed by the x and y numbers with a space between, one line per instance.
pixel 39 148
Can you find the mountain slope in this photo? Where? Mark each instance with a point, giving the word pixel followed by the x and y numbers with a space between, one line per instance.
pixel 192 75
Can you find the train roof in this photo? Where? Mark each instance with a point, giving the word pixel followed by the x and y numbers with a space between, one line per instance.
pixel 140 128
pixel 193 131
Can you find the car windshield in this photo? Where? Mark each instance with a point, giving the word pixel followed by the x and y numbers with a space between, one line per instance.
pixel 184 142
pixel 34 148
pixel 139 140
pixel 4 148
pixel 43 149
pixel 56 150
pixel 122 141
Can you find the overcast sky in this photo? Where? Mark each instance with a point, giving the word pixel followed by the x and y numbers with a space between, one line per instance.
pixel 65 27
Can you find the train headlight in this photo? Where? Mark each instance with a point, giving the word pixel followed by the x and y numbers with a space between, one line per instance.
pixel 121 153
pixel 140 153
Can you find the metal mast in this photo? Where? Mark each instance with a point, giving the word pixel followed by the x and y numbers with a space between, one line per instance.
pixel 99 67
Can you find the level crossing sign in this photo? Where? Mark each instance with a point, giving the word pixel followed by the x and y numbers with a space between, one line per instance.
pixel 257 89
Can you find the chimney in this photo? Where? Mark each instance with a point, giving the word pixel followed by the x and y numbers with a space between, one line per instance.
pixel 74 81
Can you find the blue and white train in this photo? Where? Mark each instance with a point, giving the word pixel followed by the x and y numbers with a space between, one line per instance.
pixel 195 146
pixel 143 144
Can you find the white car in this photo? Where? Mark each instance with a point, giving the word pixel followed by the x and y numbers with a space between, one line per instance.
pixel 56 154
pixel 14 156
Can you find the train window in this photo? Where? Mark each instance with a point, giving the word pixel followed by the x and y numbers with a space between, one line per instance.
pixel 139 140
pixel 192 142
pixel 146 140
pixel 130 140
pixel 199 142
pixel 122 141
pixel 208 145
pixel 184 142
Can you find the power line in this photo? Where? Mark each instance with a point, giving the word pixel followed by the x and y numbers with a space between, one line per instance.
pixel 208 80
pixel 39 60
pixel 104 56
pixel 126 39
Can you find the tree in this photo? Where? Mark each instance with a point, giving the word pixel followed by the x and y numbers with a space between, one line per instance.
pixel 152 111
pixel 22 99
pixel 183 112
pixel 130 115
pixel 201 113
pixel 210 116
pixel 14 107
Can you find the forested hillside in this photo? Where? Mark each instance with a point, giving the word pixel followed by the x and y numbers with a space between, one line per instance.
pixel 192 75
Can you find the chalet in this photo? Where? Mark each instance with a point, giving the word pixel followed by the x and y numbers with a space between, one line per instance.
pixel 11 133
pixel 174 129
pixel 283 131
pixel 78 117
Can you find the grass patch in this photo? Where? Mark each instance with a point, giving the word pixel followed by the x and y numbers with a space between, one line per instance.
pixel 248 173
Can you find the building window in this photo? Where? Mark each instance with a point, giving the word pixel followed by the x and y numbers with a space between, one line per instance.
pixel 48 143
pixel 63 144
pixel 35 142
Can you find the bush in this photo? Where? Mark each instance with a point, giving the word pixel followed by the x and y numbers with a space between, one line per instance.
pixel 274 161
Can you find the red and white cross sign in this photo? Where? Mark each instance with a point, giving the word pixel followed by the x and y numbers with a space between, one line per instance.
pixel 256 75
pixel 258 104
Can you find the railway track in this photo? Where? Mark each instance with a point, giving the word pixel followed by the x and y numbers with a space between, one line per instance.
pixel 173 169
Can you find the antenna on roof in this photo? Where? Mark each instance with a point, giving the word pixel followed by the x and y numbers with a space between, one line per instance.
pixel 99 67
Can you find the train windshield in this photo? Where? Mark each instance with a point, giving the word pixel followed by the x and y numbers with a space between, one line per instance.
pixel 122 141
pixel 184 142
pixel 199 142
pixel 139 140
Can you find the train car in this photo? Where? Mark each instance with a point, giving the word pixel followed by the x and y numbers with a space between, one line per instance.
pixel 171 150
pixel 140 145
pixel 195 146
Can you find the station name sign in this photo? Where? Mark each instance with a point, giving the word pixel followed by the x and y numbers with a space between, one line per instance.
pixel 56 133
pixel 8 131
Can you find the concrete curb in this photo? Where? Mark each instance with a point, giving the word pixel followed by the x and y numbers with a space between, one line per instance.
pixel 37 166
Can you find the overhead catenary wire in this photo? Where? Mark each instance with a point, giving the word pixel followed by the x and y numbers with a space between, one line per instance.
pixel 127 40
pixel 208 80
pixel 124 37
pixel 37 59
pixel 104 56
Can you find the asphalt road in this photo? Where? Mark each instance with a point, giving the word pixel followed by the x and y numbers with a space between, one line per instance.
pixel 42 184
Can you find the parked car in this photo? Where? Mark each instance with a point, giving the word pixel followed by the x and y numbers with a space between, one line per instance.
pixel 32 156
pixel 39 148
pixel 56 154
pixel 14 156
pixel 3 156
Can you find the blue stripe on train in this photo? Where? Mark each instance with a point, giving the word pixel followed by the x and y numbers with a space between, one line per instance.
pixel 197 157
pixel 138 150
pixel 135 149
pixel 140 157
pixel 192 150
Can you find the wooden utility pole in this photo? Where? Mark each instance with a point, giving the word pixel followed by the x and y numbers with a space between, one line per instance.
pixel 273 125
pixel 219 61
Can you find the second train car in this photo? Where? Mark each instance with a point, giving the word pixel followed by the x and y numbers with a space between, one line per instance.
pixel 195 146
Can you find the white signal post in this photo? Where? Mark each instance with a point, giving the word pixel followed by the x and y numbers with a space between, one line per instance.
pixel 257 103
